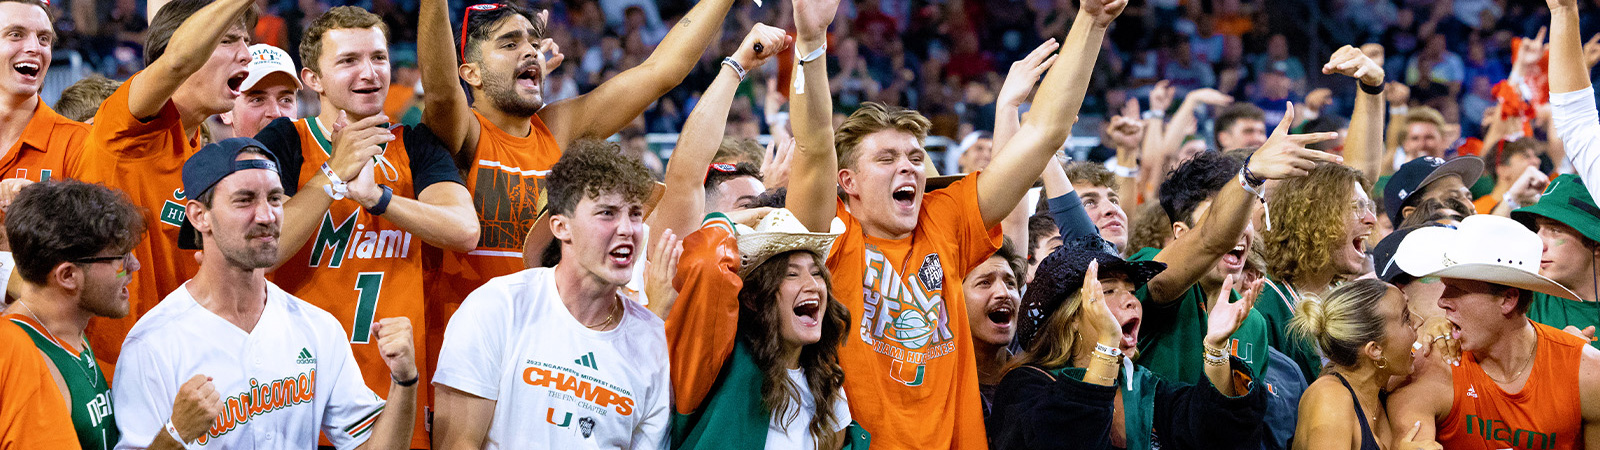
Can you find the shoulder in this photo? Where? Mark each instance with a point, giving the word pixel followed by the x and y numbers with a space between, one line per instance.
pixel 153 325
pixel 1326 399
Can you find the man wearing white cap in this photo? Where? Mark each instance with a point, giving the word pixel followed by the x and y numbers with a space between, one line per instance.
pixel 268 93
pixel 1517 380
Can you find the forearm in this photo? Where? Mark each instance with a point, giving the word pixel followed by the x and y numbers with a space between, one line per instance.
pixel 1101 371
pixel 397 421
pixel 1182 120
pixel 1363 143
pixel 445 111
pixel 1060 96
pixel 1190 256
pixel 187 51
pixel 683 204
pixel 813 177
pixel 1568 71
pixel 1007 119
pixel 1220 375
pixel 448 225
pixel 1056 183
pixel 302 214
pixel 681 48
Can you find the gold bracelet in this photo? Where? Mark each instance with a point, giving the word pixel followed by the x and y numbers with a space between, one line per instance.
pixel 1112 380
pixel 1114 360
pixel 1214 351
pixel 1216 360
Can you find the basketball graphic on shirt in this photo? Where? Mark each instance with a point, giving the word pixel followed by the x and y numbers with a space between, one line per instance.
pixel 911 329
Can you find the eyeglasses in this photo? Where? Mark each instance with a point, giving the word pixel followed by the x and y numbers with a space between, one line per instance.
pixel 1360 208
pixel 126 260
pixel 466 23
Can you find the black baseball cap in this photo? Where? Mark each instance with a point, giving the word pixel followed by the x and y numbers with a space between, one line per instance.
pixel 1417 173
pixel 1062 273
pixel 209 166
pixel 1383 253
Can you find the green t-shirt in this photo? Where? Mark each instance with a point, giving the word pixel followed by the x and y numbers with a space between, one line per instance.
pixel 1172 336
pixel 1276 304
pixel 1558 312
pixel 91 409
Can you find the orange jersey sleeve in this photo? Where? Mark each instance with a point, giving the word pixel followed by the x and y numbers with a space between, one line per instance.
pixel 705 319
pixel 32 413
pixel 48 142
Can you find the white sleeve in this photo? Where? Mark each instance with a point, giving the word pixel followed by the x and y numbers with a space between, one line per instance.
pixel 352 409
pixel 143 397
pixel 1578 126
pixel 471 356
pixel 651 433
pixel 841 411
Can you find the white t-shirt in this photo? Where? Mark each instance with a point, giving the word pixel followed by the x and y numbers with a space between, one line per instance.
pixel 796 433
pixel 296 361
pixel 556 383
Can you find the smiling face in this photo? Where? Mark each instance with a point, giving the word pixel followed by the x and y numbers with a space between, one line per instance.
pixel 1105 209
pixel 214 87
pixel 885 183
pixel 509 68
pixel 601 237
pixel 801 299
pixel 352 71
pixel 1424 139
pixel 992 301
pixel 269 99
pixel 25 39
pixel 242 223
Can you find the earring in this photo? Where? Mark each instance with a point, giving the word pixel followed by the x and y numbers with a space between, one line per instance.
pixel 1383 363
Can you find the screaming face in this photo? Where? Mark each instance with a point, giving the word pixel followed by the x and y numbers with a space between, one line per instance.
pixel 992 301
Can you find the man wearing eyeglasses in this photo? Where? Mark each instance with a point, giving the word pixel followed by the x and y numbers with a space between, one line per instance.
pixel 74 242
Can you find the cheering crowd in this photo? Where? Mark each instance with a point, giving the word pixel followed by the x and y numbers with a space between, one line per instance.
pixel 189 263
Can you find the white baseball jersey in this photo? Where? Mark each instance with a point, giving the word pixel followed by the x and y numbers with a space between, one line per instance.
pixel 282 383
pixel 556 383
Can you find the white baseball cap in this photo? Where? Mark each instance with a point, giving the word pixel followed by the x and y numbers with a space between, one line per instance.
pixel 1481 247
pixel 266 60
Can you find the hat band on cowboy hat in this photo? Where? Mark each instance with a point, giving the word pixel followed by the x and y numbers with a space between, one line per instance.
pixel 779 232
pixel 1481 247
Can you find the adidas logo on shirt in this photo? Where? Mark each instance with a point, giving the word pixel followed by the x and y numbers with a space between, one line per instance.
pixel 305 357
pixel 1472 391
pixel 587 361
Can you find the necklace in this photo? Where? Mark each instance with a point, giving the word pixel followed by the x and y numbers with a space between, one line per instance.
pixel 1519 371
pixel 87 354
pixel 615 306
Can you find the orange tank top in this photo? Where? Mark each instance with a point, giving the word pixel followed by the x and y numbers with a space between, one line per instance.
pixel 1541 416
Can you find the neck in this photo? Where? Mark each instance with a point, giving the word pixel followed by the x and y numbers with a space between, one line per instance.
pixel 589 298
pixel 1314 283
pixel 58 311
pixel 1210 288
pixel 190 116
pixel 234 293
pixel 991 361
pixel 15 113
pixel 791 356
pixel 329 115
pixel 875 227
pixel 1585 284
pixel 519 126
pixel 1513 351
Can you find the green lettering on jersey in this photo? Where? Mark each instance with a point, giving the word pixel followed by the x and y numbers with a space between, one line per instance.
pixel 331 237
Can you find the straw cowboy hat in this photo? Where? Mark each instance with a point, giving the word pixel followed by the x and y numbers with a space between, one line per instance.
pixel 1481 247
pixel 780 232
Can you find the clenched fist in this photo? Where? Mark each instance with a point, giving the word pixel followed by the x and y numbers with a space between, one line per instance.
pixel 198 403
pixel 395 345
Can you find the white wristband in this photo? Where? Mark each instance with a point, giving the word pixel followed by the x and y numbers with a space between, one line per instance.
pixel 173 431
pixel 799 86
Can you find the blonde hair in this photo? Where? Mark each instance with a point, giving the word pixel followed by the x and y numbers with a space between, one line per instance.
pixel 1343 322
pixel 873 117
pixel 1422 114
pixel 1305 228
pixel 1054 346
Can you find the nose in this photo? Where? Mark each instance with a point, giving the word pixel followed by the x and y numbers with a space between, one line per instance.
pixel 131 264
pixel 266 213
pixel 279 109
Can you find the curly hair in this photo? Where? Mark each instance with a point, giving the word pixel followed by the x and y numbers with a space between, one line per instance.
pixel 1306 224
pixel 873 117
pixel 593 168
pixel 759 326
pixel 1194 182
pixel 1149 227
pixel 61 221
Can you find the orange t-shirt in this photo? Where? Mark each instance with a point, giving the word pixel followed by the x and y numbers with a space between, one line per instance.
pixel 362 268
pixel 47 144
pixel 32 412
pixel 505 181
pixel 1541 416
pixel 909 364
pixel 144 159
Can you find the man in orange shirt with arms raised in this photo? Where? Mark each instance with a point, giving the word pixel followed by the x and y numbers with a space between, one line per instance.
pixel 911 369
pixel 368 196
pixel 149 127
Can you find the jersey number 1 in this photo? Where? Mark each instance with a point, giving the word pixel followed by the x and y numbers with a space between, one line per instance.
pixel 367 286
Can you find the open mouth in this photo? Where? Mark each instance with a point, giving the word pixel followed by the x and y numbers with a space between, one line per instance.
pixel 1235 257
pixel 365 90
pixel 1360 243
pixel 236 81
pixel 528 77
pixel 28 69
pixel 905 196
pixel 622 255
pixel 1002 314
pixel 1130 332
pixel 808 312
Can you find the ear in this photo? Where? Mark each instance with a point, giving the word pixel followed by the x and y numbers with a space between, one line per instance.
pixel 1508 300
pixel 471 73
pixel 560 228
pixel 67 275
pixel 1178 229
pixel 847 181
pixel 198 216
pixel 227 118
pixel 1372 351
pixel 311 79
pixel 1405 211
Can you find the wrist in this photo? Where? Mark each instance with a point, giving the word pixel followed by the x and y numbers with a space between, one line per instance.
pixel 405 380
pixel 1215 343
pixel 806 43
pixel 744 58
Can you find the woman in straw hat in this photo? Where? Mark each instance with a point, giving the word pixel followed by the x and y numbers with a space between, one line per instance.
pixel 754 339
pixel 1072 383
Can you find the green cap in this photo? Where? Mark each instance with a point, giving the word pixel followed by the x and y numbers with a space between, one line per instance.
pixel 1565 201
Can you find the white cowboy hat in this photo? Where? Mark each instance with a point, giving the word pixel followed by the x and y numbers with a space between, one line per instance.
pixel 781 232
pixel 1481 247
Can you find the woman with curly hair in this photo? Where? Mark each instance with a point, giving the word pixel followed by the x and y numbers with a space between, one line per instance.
pixel 1317 230
pixel 759 369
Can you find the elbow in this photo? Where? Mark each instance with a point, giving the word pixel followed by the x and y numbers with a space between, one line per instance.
pixel 464 238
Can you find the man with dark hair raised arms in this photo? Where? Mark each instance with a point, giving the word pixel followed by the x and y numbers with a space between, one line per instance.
pixel 145 131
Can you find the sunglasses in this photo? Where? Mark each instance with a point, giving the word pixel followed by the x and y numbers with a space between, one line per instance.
pixel 724 167
pixel 466 23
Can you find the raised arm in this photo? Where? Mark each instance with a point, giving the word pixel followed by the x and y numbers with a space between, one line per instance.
pixel 1024 74
pixel 1574 115
pixel 1363 144
pixel 1055 109
pixel 187 51
pixel 394 426
pixel 683 204
pixel 616 102
pixel 814 172
pixel 445 108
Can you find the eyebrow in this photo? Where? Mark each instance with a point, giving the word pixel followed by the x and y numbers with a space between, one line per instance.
pixel 513 34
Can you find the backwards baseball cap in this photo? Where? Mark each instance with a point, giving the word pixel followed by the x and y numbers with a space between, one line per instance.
pixel 209 166
pixel 1565 200
pixel 1417 173
pixel 267 60
pixel 1383 253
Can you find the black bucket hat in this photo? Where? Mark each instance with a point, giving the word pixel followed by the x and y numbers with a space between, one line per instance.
pixel 1060 276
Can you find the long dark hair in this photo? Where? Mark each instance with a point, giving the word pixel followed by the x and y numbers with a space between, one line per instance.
pixel 759 328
